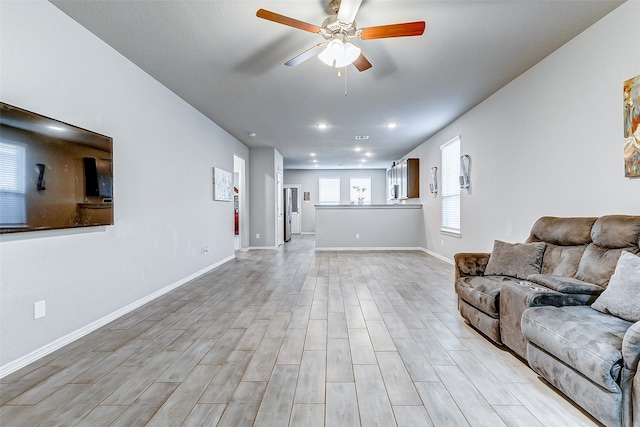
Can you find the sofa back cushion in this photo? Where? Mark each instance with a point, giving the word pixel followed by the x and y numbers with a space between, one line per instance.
pixel 566 238
pixel 622 296
pixel 562 231
pixel 610 235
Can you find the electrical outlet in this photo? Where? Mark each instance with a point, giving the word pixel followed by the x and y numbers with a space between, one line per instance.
pixel 357 235
pixel 39 309
pixel 442 242
pixel 257 235
pixel 205 250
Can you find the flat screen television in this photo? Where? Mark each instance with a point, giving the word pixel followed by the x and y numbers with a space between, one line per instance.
pixel 52 175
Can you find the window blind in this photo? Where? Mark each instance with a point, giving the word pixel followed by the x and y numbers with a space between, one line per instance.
pixel 329 191
pixel 450 153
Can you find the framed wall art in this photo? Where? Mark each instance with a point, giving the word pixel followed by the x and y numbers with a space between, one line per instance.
pixel 222 185
pixel 632 127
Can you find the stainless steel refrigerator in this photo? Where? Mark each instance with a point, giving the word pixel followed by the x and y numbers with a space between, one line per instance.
pixel 287 214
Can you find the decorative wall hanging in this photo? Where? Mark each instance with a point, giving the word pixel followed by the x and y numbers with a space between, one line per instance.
pixel 222 185
pixel 632 127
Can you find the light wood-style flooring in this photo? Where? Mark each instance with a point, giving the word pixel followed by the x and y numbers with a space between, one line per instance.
pixel 290 337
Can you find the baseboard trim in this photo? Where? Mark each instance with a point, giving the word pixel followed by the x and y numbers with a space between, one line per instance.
pixel 367 248
pixel 20 363
pixel 440 257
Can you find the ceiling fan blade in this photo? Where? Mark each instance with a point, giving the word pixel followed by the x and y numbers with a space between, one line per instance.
pixel 393 30
pixel 348 11
pixel 309 53
pixel 362 63
pixel 285 20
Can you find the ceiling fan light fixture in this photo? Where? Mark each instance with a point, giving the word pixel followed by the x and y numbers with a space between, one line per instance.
pixel 338 54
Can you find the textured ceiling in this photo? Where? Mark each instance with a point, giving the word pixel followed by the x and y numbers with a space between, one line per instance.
pixel 227 63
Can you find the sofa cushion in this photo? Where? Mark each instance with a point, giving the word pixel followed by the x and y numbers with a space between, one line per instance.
pixel 562 260
pixel 610 235
pixel 598 264
pixel 616 231
pixel 562 231
pixel 566 285
pixel 622 296
pixel 482 292
pixel 515 259
pixel 582 338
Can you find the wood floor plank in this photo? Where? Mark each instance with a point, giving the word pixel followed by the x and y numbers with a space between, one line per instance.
pixel 307 415
pixel 275 409
pixel 399 386
pixel 373 401
pixel 342 405
pixel 339 367
pixel 312 377
pixel 362 352
pixel 412 416
pixel 179 405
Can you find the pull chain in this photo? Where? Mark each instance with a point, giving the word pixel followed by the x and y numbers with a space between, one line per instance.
pixel 345 81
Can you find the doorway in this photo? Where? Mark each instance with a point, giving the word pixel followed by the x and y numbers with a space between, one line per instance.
pixel 296 207
pixel 239 202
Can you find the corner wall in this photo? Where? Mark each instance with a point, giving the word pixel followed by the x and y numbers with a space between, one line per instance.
pixel 548 143
pixel 164 151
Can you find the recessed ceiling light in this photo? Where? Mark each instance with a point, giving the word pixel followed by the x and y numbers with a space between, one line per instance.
pixel 312 154
pixel 315 166
pixel 391 125
pixel 322 125
pixel 368 154
pixel 358 137
pixel 363 160
pixel 252 134
pixel 314 161
pixel 357 149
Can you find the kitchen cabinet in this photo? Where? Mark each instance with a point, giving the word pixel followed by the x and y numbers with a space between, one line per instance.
pixel 403 180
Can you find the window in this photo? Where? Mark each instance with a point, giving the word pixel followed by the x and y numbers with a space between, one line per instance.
pixel 329 191
pixel 12 185
pixel 450 153
pixel 360 191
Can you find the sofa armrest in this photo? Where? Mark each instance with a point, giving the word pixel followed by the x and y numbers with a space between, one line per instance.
pixel 631 347
pixel 566 285
pixel 470 264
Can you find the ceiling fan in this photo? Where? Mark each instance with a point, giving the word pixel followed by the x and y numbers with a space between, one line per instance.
pixel 339 30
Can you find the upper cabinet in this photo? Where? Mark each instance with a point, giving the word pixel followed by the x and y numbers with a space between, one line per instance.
pixel 403 180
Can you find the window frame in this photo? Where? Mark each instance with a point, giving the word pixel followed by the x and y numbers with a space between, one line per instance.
pixel 320 192
pixel 13 185
pixel 450 221
pixel 366 194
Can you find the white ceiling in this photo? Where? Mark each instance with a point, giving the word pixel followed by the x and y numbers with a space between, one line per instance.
pixel 227 63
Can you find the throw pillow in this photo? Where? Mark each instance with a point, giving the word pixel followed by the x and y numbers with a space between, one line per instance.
pixel 622 296
pixel 517 260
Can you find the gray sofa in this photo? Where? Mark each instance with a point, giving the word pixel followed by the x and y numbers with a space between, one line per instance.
pixel 535 298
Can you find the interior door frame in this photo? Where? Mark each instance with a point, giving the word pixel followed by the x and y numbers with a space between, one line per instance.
pixel 299 205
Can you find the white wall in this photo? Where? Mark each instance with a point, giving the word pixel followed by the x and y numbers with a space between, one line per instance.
pixel 549 143
pixel 163 154
pixel 308 179
pixel 264 164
